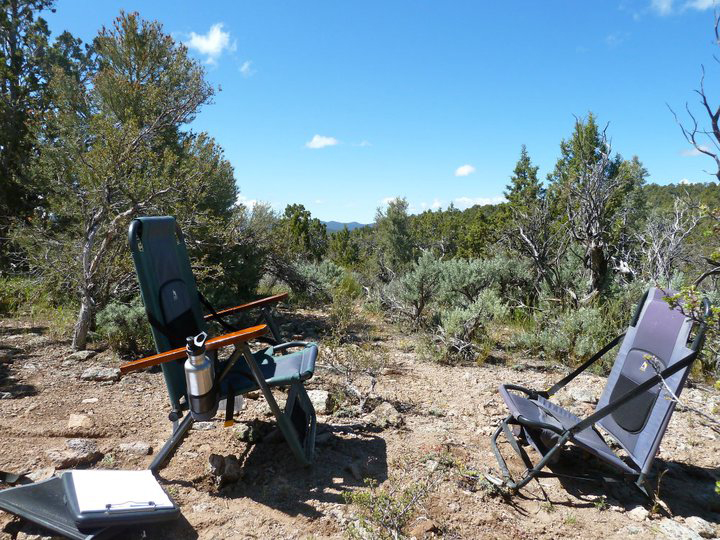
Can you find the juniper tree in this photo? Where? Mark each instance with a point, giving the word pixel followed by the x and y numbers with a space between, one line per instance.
pixel 119 152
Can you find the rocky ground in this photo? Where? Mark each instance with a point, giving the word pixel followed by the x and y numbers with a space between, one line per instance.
pixel 422 437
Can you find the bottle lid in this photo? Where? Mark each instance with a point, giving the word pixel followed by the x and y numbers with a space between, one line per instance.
pixel 196 344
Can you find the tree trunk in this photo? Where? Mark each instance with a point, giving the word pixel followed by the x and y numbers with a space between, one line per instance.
pixel 598 267
pixel 84 320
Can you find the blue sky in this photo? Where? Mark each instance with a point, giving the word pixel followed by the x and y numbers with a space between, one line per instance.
pixel 340 105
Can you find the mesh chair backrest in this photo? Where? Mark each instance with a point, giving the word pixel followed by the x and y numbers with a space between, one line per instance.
pixel 168 291
pixel 659 335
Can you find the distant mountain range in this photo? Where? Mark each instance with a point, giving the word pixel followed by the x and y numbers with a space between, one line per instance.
pixel 334 226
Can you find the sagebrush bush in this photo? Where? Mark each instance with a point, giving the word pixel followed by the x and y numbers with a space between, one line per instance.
pixel 320 280
pixel 125 328
pixel 342 310
pixel 411 294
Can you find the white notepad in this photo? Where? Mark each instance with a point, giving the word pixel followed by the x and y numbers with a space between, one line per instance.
pixel 122 491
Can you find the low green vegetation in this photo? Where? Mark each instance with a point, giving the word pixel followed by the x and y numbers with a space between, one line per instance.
pixel 554 271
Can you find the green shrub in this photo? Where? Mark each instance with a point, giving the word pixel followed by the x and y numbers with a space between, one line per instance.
pixel 125 328
pixel 320 279
pixel 342 310
pixel 570 336
pixel 17 293
pixel 410 295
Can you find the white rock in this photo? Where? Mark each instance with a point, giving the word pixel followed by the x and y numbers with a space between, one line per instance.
pixel 81 356
pixel 385 415
pixel 322 401
pixel 204 426
pixel 137 448
pixel 672 529
pixel 97 373
pixel 90 400
pixel 638 514
pixel 80 421
pixel 700 526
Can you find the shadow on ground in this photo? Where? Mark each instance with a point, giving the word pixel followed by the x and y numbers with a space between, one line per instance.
pixel 343 459
pixel 685 490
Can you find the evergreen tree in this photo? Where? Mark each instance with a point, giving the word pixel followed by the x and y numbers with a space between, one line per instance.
pixel 23 100
pixel 524 189
pixel 119 151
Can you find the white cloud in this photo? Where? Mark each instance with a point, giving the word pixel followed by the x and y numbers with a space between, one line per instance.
pixel 615 39
pixel 466 202
pixel 684 182
pixel 667 7
pixel 464 170
pixel 244 201
pixel 700 5
pixel 387 200
pixel 211 44
pixel 435 205
pixel 320 141
pixel 363 143
pixel 246 69
pixel 692 152
pixel 662 7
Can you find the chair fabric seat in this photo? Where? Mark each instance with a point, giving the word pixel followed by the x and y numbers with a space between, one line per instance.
pixel 542 410
pixel 278 370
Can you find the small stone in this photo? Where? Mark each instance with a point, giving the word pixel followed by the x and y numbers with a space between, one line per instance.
pixel 90 400
pixel 672 529
pixel 700 526
pixel 204 426
pixel 255 394
pixel 581 394
pixel 216 464
pixel 322 401
pixel 422 527
pixel 638 514
pixel 385 415
pixel 80 421
pixel 79 452
pixel 137 448
pixel 233 470
pixel 431 465
pixel 97 373
pixel 454 507
pixel 6 356
pixel 80 356
pixel 41 474
pixel 246 433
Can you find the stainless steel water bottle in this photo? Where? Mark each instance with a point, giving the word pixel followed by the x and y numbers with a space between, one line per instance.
pixel 200 378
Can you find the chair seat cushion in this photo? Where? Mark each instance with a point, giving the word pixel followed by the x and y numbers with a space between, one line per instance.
pixel 278 370
pixel 542 410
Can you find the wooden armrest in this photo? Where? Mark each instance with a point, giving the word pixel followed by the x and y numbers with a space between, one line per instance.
pixel 211 344
pixel 250 305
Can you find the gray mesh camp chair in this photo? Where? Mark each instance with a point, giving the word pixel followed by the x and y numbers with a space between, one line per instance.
pixel 633 408
pixel 174 310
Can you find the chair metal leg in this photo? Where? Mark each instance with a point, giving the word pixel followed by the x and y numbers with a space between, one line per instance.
pixel 530 471
pixel 171 443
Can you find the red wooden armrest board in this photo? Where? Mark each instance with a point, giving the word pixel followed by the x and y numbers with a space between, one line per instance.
pixel 218 342
pixel 250 305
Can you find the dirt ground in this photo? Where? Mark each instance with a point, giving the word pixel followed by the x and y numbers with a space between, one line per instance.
pixel 439 441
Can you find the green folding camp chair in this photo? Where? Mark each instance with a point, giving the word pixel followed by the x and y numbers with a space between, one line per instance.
pixel 173 307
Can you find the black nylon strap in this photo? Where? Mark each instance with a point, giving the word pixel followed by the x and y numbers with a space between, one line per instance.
pixel 565 380
pixel 216 317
